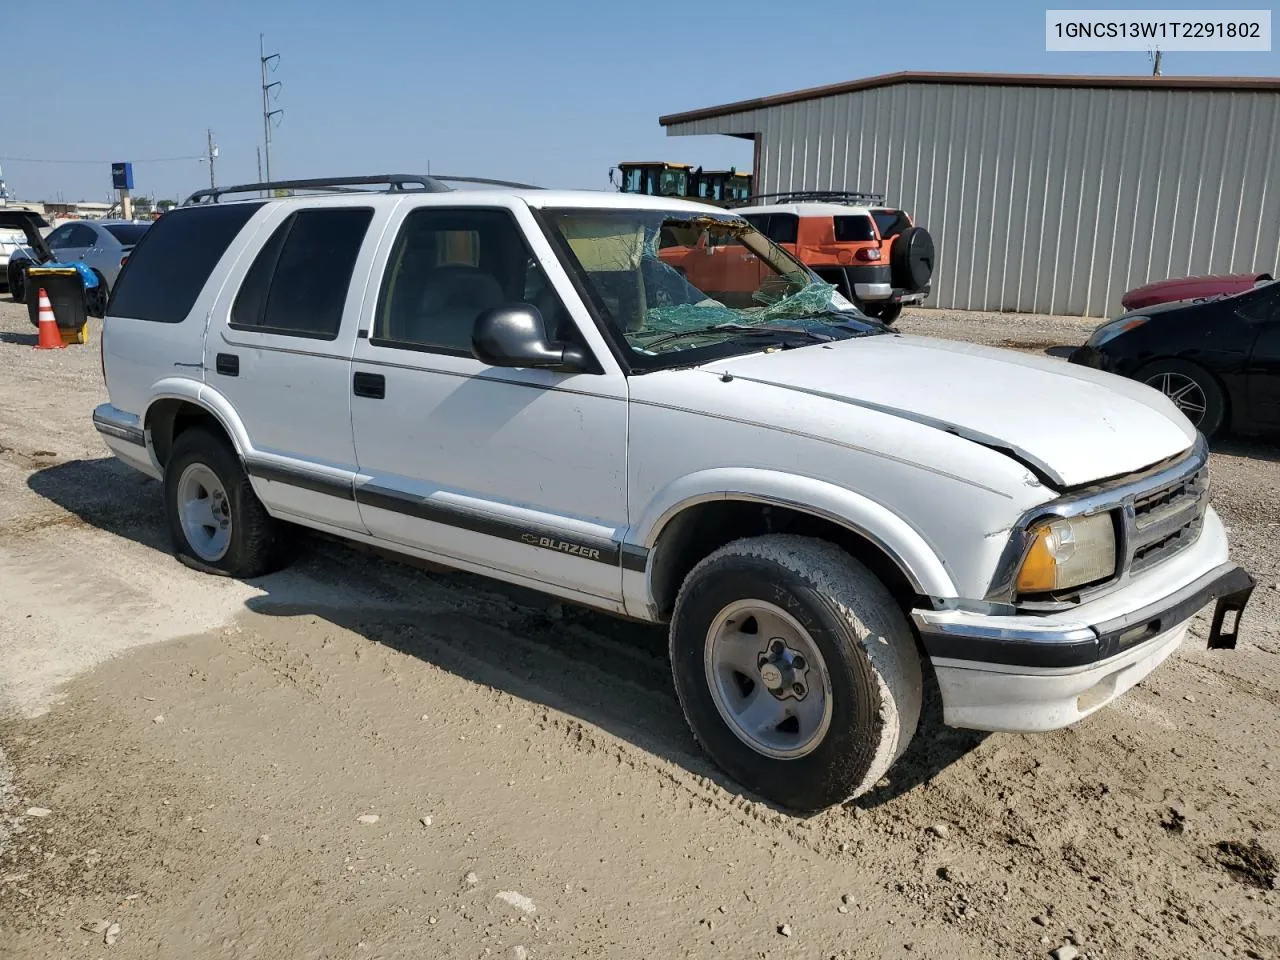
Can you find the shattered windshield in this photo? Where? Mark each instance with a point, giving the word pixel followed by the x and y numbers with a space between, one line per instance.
pixel 671 282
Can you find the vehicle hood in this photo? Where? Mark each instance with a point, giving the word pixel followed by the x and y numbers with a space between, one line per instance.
pixel 1189 288
pixel 1070 424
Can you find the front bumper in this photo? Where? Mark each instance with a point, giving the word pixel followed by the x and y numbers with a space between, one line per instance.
pixel 1087 356
pixel 1040 672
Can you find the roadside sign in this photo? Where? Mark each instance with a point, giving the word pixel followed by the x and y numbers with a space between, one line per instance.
pixel 122 176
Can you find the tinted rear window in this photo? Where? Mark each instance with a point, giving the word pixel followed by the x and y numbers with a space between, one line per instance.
pixel 298 282
pixel 127 233
pixel 168 269
pixel 891 222
pixel 854 229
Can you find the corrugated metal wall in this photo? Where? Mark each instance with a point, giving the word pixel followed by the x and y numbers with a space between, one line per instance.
pixel 1046 200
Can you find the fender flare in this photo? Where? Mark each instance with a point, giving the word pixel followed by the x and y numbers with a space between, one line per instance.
pixel 899 540
pixel 201 395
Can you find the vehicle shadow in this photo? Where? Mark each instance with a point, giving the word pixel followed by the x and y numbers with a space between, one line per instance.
pixel 1255 448
pixel 604 671
pixel 21 339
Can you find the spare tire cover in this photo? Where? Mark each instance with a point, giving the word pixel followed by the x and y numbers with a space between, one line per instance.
pixel 912 258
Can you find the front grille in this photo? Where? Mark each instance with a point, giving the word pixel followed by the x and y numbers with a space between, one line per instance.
pixel 1161 522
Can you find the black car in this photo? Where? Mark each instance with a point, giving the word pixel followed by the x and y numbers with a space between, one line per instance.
pixel 1217 359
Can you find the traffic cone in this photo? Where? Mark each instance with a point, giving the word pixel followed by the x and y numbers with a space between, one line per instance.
pixel 50 337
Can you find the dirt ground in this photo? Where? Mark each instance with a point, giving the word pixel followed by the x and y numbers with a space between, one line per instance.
pixel 185 760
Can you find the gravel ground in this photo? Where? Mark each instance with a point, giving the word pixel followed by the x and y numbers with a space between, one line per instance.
pixel 213 754
pixel 1018 331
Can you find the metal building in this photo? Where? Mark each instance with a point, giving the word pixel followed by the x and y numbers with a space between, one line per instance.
pixel 1046 194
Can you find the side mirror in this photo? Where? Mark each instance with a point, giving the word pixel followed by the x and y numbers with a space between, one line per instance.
pixel 514 335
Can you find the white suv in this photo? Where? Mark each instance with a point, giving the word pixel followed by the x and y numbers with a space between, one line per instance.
pixel 517 382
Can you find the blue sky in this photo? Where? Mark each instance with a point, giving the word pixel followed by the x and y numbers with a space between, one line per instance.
pixel 552 93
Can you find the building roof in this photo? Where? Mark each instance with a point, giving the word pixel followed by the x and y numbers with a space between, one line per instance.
pixel 1230 84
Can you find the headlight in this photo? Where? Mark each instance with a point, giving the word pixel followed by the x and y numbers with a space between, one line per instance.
pixel 1067 553
pixel 1109 331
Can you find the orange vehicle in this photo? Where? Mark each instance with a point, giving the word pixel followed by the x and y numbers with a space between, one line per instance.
pixel 873 253
pixel 722 268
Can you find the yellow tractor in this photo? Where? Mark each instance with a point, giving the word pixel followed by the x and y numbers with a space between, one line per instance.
pixel 662 179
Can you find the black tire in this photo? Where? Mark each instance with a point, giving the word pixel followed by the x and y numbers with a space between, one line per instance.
pixel 17 277
pixel 840 280
pixel 252 551
pixel 886 313
pixel 1171 376
pixel 911 260
pixel 865 641
pixel 95 300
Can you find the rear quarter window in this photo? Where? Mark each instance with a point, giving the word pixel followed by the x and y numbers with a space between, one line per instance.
pixel 171 264
pixel 127 234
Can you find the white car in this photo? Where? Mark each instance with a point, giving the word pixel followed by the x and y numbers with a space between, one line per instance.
pixel 516 382
pixel 13 245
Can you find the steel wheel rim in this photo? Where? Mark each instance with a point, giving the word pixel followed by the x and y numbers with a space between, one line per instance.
pixel 1187 395
pixel 204 512
pixel 776 706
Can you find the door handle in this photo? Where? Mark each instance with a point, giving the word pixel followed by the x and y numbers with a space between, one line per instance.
pixel 371 385
pixel 227 364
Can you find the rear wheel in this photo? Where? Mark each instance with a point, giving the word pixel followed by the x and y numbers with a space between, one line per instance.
pixel 17 276
pixel 217 523
pixel 796 670
pixel 95 300
pixel 840 281
pixel 1193 390
pixel 886 313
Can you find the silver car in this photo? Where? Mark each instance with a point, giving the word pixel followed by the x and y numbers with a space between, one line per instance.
pixel 103 245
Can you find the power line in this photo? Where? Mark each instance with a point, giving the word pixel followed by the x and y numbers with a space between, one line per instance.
pixel 8 159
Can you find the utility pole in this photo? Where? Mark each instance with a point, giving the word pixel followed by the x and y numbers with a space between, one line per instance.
pixel 269 90
pixel 258 150
pixel 1156 62
pixel 211 156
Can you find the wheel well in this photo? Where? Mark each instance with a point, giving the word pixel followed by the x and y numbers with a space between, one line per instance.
pixel 166 419
pixel 702 529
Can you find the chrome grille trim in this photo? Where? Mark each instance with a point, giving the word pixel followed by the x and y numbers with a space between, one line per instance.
pixel 1165 521
pixel 1158 511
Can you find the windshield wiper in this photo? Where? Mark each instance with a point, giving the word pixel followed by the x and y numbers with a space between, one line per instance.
pixel 743 328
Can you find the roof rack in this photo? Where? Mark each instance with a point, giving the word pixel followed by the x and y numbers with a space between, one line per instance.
pixel 487 182
pixel 394 183
pixel 814 196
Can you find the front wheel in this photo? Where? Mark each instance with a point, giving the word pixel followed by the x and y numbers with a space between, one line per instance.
pixel 796 670
pixel 1193 391
pixel 217 522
